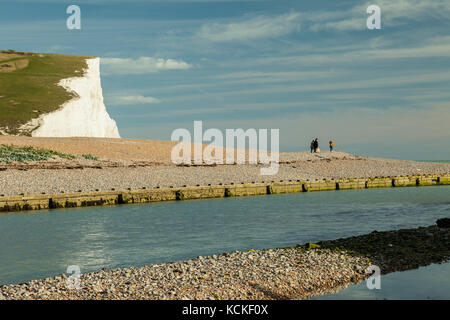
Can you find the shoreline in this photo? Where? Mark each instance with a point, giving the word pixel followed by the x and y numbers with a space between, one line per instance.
pixel 102 171
pixel 114 197
pixel 298 272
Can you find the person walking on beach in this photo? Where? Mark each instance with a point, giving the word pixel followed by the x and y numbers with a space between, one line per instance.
pixel 312 146
pixel 331 145
pixel 316 145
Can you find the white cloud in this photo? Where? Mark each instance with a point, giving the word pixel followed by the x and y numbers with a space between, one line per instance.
pixel 330 85
pixel 342 25
pixel 366 52
pixel 413 9
pixel 286 75
pixel 392 13
pixel 143 65
pixel 254 28
pixel 130 100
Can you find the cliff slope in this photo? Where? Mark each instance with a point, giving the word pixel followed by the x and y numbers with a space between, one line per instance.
pixel 49 95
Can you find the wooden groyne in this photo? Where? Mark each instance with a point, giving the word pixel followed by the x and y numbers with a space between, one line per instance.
pixel 102 198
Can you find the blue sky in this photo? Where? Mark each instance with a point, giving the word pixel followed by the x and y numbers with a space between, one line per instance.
pixel 309 68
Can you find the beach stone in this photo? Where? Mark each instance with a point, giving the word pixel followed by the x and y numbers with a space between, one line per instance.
pixel 443 223
pixel 121 174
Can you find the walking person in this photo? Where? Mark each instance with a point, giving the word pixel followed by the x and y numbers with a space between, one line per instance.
pixel 316 145
pixel 331 145
pixel 312 146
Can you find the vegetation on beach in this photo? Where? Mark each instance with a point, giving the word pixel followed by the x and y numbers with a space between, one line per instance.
pixel 29 85
pixel 90 157
pixel 24 154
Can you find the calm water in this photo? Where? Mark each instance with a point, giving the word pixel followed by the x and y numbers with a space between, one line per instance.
pixel 41 244
pixel 431 282
pixel 438 161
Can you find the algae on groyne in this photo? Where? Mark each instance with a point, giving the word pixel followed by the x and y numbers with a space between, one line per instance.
pixel 100 198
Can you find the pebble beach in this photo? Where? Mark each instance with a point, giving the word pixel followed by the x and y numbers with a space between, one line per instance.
pixel 265 274
pixel 121 174
pixel 288 273
pixel 299 272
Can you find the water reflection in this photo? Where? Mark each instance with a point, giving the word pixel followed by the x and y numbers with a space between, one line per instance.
pixel 430 282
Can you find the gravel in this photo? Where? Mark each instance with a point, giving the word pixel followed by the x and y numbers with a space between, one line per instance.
pixel 264 274
pixel 400 250
pixel 302 165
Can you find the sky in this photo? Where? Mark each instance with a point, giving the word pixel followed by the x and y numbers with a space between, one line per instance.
pixel 308 68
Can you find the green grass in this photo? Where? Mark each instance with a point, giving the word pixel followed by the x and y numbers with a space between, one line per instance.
pixel 25 154
pixel 90 157
pixel 35 87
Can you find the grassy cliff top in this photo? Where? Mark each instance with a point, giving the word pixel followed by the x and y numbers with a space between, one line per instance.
pixel 29 85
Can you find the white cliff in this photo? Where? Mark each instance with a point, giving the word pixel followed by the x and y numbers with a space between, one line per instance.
pixel 83 116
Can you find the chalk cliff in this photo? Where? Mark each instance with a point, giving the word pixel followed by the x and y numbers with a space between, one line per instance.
pixel 83 116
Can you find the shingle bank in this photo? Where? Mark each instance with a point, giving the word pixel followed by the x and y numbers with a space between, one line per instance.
pixel 113 197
